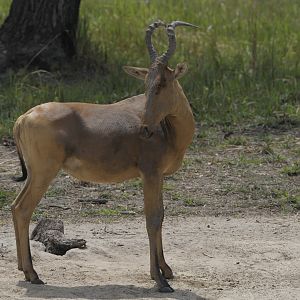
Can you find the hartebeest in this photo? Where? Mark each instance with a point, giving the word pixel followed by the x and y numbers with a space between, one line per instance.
pixel 143 136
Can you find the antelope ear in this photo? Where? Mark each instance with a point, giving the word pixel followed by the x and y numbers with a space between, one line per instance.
pixel 180 70
pixel 139 73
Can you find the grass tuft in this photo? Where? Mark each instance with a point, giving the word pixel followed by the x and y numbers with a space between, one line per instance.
pixel 6 197
pixel 295 201
pixel 193 202
pixel 293 170
pixel 237 140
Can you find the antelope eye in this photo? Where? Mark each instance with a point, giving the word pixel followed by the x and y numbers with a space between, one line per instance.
pixel 157 89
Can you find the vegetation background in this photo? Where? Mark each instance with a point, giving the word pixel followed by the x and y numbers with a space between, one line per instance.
pixel 238 191
pixel 244 60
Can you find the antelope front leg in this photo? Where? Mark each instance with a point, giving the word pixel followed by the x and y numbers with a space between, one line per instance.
pixel 154 211
pixel 166 270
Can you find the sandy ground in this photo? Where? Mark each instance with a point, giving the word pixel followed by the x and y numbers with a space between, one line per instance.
pixel 232 227
pixel 213 258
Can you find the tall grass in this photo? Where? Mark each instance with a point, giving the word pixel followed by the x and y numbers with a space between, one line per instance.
pixel 244 60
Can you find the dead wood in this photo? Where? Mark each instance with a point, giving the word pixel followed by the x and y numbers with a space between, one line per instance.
pixel 50 232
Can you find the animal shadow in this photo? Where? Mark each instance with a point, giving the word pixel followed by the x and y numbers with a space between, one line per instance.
pixel 112 291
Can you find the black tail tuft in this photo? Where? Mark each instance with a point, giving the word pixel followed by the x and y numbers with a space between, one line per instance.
pixel 24 170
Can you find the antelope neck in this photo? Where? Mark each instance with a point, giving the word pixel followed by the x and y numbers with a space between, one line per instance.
pixel 181 122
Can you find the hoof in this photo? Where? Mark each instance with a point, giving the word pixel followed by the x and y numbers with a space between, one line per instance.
pixel 166 289
pixel 27 278
pixel 37 281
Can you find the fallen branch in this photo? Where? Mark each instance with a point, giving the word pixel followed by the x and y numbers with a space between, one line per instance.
pixel 50 232
pixel 59 206
pixel 94 201
pixel 207 255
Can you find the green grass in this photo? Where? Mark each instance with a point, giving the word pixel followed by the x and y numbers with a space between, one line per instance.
pixel 169 186
pixel 237 140
pixel 39 213
pixel 106 212
pixel 55 192
pixel 294 201
pixel 287 199
pixel 6 198
pixel 176 196
pixel 135 183
pixel 193 202
pixel 292 170
pixel 244 61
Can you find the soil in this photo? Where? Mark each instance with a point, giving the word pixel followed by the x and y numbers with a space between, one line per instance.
pixel 231 228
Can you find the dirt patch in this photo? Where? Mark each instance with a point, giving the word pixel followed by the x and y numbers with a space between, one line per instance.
pixel 245 173
pixel 231 230
pixel 213 258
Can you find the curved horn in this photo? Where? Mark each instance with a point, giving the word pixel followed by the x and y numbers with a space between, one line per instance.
pixel 149 31
pixel 172 39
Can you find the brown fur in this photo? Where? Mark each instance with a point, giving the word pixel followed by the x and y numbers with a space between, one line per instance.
pixel 104 143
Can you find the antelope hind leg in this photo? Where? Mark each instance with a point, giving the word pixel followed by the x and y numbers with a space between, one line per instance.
pixel 22 212
pixel 15 222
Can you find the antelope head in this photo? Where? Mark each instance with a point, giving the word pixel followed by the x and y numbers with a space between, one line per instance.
pixel 161 85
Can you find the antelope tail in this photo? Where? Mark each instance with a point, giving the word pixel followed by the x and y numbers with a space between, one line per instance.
pixel 23 177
